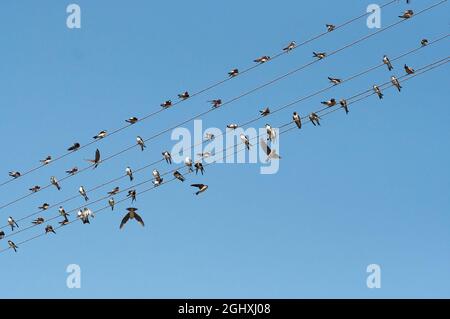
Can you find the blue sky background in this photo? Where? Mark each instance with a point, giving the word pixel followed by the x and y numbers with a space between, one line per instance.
pixel 370 187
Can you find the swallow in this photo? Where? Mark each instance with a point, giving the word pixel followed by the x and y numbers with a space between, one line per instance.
pixel 2 234
pixel 49 229
pixel 35 189
pixel 72 171
pixel 166 104
pixel 38 221
pixel 424 42
pixel 132 194
pixel 156 174
pixel 319 55
pixel 344 105
pixel 265 112
pixel 262 59
pixel 46 160
pixel 83 217
pixel 129 173
pixel 82 192
pixel 377 90
pixel 233 73
pixel 100 135
pixel 96 160
pixel 314 118
pixel 14 174
pixel 44 206
pixel 188 163
pixel 329 103
pixel 132 120
pixel 184 95
pixel 291 46
pixel 111 203
pixel 204 154
pixel 74 147
pixel 54 182
pixel 408 69
pixel 12 223
pixel 297 119
pixel 12 245
pixel 271 154
pixel 131 215
pixel 179 176
pixel 396 83
pixel 158 182
pixel 330 27
pixel 216 103
pixel 387 62
pixel 64 222
pixel 271 133
pixel 166 155
pixel 407 14
pixel 246 141
pixel 209 136
pixel 335 81
pixel 201 188
pixel 115 191
pixel 232 126
pixel 62 212
pixel 199 167
pixel 140 142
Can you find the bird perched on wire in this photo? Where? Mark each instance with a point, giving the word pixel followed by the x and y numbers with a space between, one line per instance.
pixel 199 167
pixel 140 142
pixel 262 59
pixel 129 173
pixel 166 104
pixel 233 73
pixel 64 222
pixel 131 215
pixel 246 141
pixel 114 191
pixel 271 154
pixel 201 188
pixel 409 70
pixel 335 81
pixel 156 174
pixel 179 176
pixel 344 105
pixel 314 118
pixel 395 82
pixel 330 27
pixel 209 136
pixel 158 182
pixel 377 90
pixel 35 189
pixel 44 206
pixel 96 160
pixel 62 212
pixel 12 223
pixel 387 62
pixel 74 147
pixel 12 245
pixel 72 171
pixel 2 234
pixel 329 103
pixel 407 14
pixel 232 126
pixel 38 221
pixel 264 112
pixel 46 160
pixel 83 193
pixel 424 42
pixel 297 119
pixel 14 174
pixel 166 155
pixel 291 46
pixel 132 194
pixel 319 55
pixel 100 135
pixel 54 182
pixel 49 229
pixel 184 95
pixel 271 133
pixel 188 163
pixel 132 120
pixel 111 202
pixel 216 103
pixel 83 216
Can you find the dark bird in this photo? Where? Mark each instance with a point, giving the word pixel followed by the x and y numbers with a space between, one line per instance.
pixel 232 126
pixel 74 147
pixel 271 154
pixel 166 104
pixel 72 171
pixel 290 46
pixel 46 160
pixel 44 206
pixel 408 70
pixel 396 83
pixel 201 188
pixel 297 119
pixel 140 142
pixel 407 14
pixel 14 174
pixel 38 221
pixel 54 182
pixel 100 135
pixel 377 90
pixel 188 163
pixel 314 118
pixel 132 194
pixel 319 55
pixel 82 192
pixel 265 112
pixel 2 234
pixel 49 229
pixel 111 203
pixel 132 120
pixel 424 42
pixel 330 27
pixel 329 103
pixel 64 222
pixel 199 167
pixel 262 59
pixel 246 141
pixel 115 191
pixel 388 63
pixel 184 95
pixel 96 160
pixel 335 81
pixel 131 215
pixel 344 105
pixel 35 189
pixel 179 176
pixel 216 103
pixel 12 223
pixel 233 73
pixel 129 173
pixel 12 245
pixel 166 155
pixel 62 212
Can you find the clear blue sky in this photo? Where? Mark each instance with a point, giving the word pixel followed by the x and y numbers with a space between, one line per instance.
pixel 370 187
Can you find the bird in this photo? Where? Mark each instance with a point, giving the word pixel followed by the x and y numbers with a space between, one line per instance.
pixel 46 160
pixel 188 163
pixel 199 167
pixel 100 135
pixel 74 147
pixel 179 176
pixel 166 104
pixel 245 140
pixel 49 229
pixel 271 154
pixel 111 202
pixel 297 119
pixel 265 112
pixel 329 103
pixel 35 189
pixel 408 69
pixel 96 160
pixel 233 73
pixel 271 133
pixel 335 81
pixel 132 194
pixel 131 215
pixel 54 181
pixel 129 173
pixel 262 59
pixel 12 223
pixel 82 191
pixel 204 154
pixel 14 174
pixel 407 14
pixel 12 245
pixel 132 120
pixel 114 191
pixel 158 182
pixel 291 46
pixel 156 174
pixel 232 126
pixel 396 83
pixel 201 188
pixel 62 212
pixel 209 136
pixel 314 118
pixel 184 95
pixel 344 105
pixel 44 206
pixel 83 216
pixel 64 222
pixel 424 42
pixel 319 55
pixel 38 221
pixel 140 142
pixel 216 103
pixel 72 171
pixel 166 155
pixel 2 234
pixel 387 62
pixel 330 27
pixel 377 90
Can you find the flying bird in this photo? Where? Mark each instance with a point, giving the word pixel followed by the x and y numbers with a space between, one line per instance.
pixel 246 141
pixel 74 147
pixel 344 105
pixel 407 14
pixel 335 81
pixel 409 70
pixel 132 120
pixel 35 189
pixel 140 142
pixel 184 95
pixel 377 90
pixel 188 163
pixel 265 112
pixel 216 103
pixel 314 118
pixel 291 46
pixel 132 194
pixel 82 192
pixel 297 119
pixel 44 206
pixel 167 157
pixel 72 171
pixel 319 55
pixel 49 229
pixel 201 188
pixel 38 221
pixel 12 223
pixel 271 154
pixel 232 126
pixel 396 83
pixel 100 135
pixel 111 203
pixel 233 73
pixel 96 160
pixel 387 62
pixel 329 103
pixel 166 104
pixel 15 174
pixel 179 176
pixel 129 173
pixel 114 191
pixel 330 27
pixel 54 182
pixel 131 215
pixel 262 59
pixel 46 160
pixel 12 245
pixel 199 167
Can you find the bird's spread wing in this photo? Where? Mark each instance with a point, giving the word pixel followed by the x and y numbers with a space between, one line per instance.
pixel 139 219
pixel 264 146
pixel 124 220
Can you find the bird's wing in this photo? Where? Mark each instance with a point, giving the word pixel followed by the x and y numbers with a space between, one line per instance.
pixel 264 146
pixel 97 156
pixel 124 220
pixel 197 185
pixel 139 219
